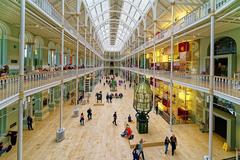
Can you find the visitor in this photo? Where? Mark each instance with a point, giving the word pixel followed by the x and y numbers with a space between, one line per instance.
pixel 120 95
pixel 156 108
pixel 107 98
pixel 29 122
pixel 110 98
pixel 166 143
pixel 89 114
pixel 173 141
pixel 104 84
pixel 68 95
pixel 82 119
pixel 13 137
pixel 129 118
pixel 4 149
pixel 130 85
pixel 100 80
pixel 115 118
pixel 125 86
pixel 127 132
pixel 140 148
pixel 116 95
pixel 135 153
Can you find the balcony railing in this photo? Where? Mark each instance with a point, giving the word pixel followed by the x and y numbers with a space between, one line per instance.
pixel 9 86
pixel 226 85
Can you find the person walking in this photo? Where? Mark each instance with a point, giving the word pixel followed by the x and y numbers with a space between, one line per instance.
pixel 166 143
pixel 173 141
pixel 107 98
pixel 130 85
pixel 135 153
pixel 89 114
pixel 140 148
pixel 115 118
pixel 29 122
pixel 110 98
pixel 82 119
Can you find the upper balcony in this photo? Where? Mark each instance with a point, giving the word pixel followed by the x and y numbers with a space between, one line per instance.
pixel 228 88
pixel 44 7
pixel 36 82
pixel 194 20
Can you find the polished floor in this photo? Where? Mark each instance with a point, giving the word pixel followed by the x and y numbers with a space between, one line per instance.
pixel 99 139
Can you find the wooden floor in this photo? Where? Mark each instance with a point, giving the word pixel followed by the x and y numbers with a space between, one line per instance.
pixel 99 139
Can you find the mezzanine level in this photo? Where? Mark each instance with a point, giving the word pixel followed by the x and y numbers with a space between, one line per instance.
pixel 224 87
pixel 36 82
pixel 195 20
pixel 45 10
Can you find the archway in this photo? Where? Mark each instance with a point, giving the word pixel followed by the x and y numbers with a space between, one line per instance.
pixel 224 50
pixel 4 33
pixel 38 53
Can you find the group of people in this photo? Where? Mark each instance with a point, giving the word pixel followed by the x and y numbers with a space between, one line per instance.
pixel 172 141
pixel 109 98
pixel 89 115
pixel 13 142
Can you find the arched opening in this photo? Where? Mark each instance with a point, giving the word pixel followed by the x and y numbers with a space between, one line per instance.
pixel 38 53
pixel 4 32
pixel 223 46
pixel 28 52
pixel 52 57
pixel 224 50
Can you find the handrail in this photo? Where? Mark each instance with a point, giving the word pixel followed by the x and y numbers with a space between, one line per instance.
pixel 227 85
pixel 10 85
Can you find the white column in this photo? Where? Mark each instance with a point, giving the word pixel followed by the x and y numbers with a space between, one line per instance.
pixel 85 56
pixel 138 57
pixel 171 72
pixel 210 145
pixel 78 12
pixel 62 64
pixel 21 83
pixel 144 51
pixel 154 61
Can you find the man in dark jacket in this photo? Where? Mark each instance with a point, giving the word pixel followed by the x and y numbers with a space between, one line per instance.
pixel 29 122
pixel 173 141
pixel 115 118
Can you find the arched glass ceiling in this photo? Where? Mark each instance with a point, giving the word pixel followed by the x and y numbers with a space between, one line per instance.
pixel 115 20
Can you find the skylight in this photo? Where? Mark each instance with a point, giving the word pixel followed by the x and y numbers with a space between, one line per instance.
pixel 130 14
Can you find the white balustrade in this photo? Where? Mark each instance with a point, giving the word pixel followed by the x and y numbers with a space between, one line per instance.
pixel 9 86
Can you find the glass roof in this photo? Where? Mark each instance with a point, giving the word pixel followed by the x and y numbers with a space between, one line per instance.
pixel 115 20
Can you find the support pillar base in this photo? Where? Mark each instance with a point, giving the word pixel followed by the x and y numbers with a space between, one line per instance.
pixel 60 135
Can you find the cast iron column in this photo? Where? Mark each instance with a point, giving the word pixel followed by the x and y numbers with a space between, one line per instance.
pixel 21 81
pixel 211 79
pixel 171 72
